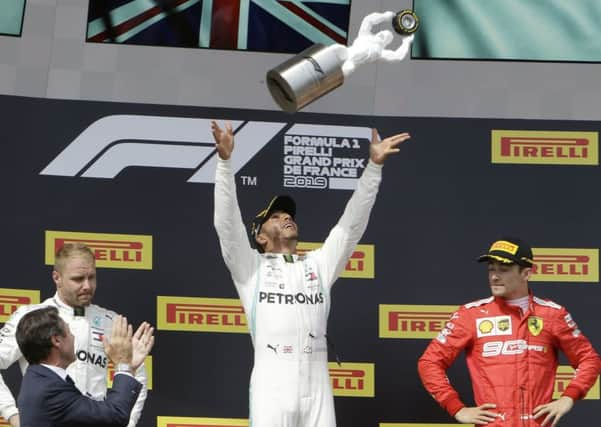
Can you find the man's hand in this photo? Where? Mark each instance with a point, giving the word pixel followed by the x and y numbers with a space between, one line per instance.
pixel 554 410
pixel 14 421
pixel 380 150
pixel 224 139
pixel 476 415
pixel 119 347
pixel 142 343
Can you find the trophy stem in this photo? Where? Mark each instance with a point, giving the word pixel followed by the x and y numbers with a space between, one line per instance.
pixel 307 76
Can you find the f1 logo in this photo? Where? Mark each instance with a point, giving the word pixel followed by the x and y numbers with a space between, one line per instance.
pixel 114 143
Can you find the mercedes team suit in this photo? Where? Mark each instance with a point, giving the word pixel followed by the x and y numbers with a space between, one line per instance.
pixel 89 371
pixel 512 358
pixel 286 299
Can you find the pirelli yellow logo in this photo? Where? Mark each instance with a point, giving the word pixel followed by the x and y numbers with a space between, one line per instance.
pixel 565 265
pixel 361 264
pixel 200 314
pixel 421 425
pixel 545 147
pixel 353 379
pixel 110 250
pixel 200 422
pixel 413 321
pixel 147 367
pixel 12 299
pixel 505 246
pixel 562 379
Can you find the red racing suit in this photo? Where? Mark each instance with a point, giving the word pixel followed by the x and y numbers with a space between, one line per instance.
pixel 512 358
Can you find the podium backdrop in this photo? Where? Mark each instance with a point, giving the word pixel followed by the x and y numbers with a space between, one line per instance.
pixel 136 183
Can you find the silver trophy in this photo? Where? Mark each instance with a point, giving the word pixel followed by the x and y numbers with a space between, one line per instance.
pixel 320 69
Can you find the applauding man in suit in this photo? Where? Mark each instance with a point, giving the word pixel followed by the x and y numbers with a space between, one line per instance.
pixel 48 396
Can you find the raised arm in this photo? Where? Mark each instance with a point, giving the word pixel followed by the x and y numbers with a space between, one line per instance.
pixel 343 238
pixel 235 247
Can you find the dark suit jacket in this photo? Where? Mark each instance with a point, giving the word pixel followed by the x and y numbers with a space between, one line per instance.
pixel 46 400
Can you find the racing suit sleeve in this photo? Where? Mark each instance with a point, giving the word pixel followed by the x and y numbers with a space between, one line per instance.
pixel 235 247
pixel 439 355
pixel 580 353
pixel 9 354
pixel 345 235
pixel 136 411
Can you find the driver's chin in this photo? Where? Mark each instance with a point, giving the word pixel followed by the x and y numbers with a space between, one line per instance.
pixel 84 301
pixel 497 291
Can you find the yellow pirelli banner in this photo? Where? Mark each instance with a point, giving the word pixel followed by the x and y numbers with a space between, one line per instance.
pixel 562 379
pixel 12 299
pixel 194 314
pixel 413 321
pixel 129 251
pixel 147 367
pixel 361 264
pixel 421 425
pixel 200 422
pixel 565 265
pixel 353 379
pixel 544 147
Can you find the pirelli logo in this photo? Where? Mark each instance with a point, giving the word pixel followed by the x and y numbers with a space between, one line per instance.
pixel 353 379
pixel 413 321
pixel 110 250
pixel 361 264
pixel 200 314
pixel 545 147
pixel 200 422
pixel 562 379
pixel 420 425
pixel 147 366
pixel 12 299
pixel 565 265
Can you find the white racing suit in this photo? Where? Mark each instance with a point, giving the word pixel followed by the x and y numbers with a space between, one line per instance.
pixel 287 300
pixel 89 371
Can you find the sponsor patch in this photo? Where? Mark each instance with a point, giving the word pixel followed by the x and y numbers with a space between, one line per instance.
pixel 504 246
pixel 493 326
pixel 535 325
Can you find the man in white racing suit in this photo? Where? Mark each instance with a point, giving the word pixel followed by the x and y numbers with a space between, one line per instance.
pixel 286 296
pixel 75 278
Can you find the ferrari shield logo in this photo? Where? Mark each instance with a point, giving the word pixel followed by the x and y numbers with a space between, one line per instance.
pixel 535 325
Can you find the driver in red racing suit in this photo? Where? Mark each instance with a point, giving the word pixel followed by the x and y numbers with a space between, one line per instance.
pixel 511 340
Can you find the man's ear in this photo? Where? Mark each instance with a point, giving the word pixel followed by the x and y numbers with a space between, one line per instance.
pixel 260 239
pixel 56 341
pixel 527 273
pixel 56 277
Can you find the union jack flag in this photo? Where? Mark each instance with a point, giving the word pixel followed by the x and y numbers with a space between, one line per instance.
pixel 258 25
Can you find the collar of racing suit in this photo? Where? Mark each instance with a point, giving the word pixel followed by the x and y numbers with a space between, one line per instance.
pixel 75 311
pixel 502 302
